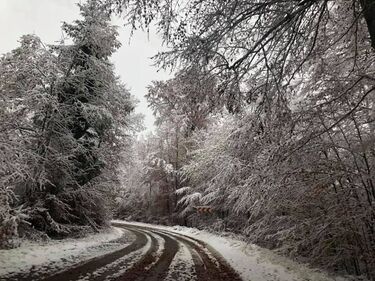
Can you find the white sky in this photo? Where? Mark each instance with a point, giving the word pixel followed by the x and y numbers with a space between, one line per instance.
pixel 44 18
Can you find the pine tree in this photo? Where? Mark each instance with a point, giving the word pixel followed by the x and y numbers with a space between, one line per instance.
pixel 76 112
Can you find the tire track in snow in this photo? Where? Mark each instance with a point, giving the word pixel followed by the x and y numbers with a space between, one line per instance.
pixel 118 267
pixel 153 268
pixel 209 264
pixel 154 255
pixel 182 266
pixel 93 264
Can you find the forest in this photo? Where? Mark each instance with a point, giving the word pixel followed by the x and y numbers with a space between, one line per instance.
pixel 268 123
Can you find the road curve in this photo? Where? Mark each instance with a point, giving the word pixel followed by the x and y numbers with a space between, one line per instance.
pixel 154 255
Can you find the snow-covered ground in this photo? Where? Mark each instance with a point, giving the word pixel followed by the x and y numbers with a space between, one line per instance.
pixel 250 261
pixel 55 255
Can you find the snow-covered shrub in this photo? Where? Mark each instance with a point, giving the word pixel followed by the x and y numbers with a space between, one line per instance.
pixel 10 220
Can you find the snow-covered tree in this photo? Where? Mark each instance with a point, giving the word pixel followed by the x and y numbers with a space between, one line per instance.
pixel 65 118
pixel 264 42
pixel 189 95
pixel 294 167
pixel 26 74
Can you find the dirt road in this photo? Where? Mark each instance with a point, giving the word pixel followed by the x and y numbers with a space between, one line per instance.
pixel 154 255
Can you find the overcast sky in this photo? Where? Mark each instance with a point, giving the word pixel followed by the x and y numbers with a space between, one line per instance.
pixel 44 17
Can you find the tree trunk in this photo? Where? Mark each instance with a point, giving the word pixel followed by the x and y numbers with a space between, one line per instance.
pixel 368 7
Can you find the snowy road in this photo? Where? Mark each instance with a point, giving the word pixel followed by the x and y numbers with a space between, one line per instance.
pixel 139 251
pixel 154 254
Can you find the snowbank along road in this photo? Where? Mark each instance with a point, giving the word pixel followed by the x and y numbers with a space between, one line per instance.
pixel 155 254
